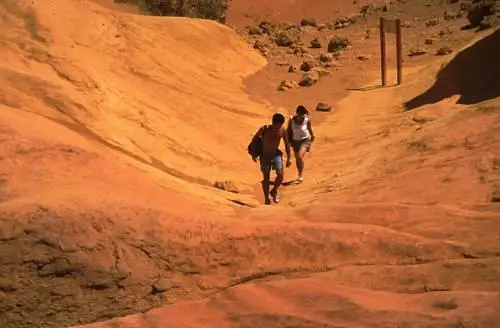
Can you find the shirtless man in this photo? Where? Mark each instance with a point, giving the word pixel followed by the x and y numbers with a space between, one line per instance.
pixel 272 157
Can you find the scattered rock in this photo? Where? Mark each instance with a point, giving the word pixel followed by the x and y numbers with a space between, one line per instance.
pixel 283 39
pixel 445 31
pixel 308 22
pixel 7 285
pixel 430 41
pixel 444 51
pixel 323 107
pixel 315 43
pixel 63 290
pixel 287 84
pixel 432 22
pixel 267 27
pixel 321 27
pixel 308 79
pixel 342 22
pixel 363 57
pixel 495 196
pixel 337 44
pixel 307 65
pixel 325 57
pixel 417 51
pixel 451 15
pixel 226 186
pixel 321 71
pixel 300 51
pixel 162 285
pixel 367 10
pixel 406 24
pixel 282 63
pixel 254 31
pixel 331 64
pixel 259 45
pixel 293 69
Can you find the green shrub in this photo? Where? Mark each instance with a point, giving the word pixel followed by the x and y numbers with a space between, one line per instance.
pixel 207 9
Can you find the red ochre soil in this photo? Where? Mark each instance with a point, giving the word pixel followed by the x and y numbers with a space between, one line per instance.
pixel 115 126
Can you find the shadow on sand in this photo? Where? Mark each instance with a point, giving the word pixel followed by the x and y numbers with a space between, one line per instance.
pixel 474 74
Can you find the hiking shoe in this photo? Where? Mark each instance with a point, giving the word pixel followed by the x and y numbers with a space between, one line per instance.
pixel 276 197
pixel 300 179
pixel 267 201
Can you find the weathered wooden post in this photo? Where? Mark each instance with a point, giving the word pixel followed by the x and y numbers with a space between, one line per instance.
pixel 390 26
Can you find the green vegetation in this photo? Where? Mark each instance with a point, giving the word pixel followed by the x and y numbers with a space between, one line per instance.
pixel 207 9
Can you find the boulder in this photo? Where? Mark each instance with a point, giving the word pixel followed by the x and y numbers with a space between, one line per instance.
pixel 308 79
pixel 323 107
pixel 287 84
pixel 315 43
pixel 337 44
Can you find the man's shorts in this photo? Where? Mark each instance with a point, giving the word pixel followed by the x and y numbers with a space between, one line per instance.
pixel 268 163
pixel 298 144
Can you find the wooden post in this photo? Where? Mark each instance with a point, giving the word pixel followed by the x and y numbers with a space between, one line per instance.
pixel 382 52
pixel 393 27
pixel 399 51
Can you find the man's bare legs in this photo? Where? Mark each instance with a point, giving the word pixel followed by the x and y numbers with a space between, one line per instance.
pixel 277 182
pixel 266 174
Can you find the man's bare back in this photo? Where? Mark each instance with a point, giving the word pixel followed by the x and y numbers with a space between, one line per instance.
pixel 271 141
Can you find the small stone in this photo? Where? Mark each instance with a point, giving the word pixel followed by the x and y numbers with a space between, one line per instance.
pixel 307 65
pixel 429 41
pixel 226 186
pixel 308 79
pixel 495 196
pixel 259 45
pixel 337 44
pixel 254 31
pixel 308 22
pixel 325 57
pixel 450 15
pixel 7 285
pixel 161 285
pixel 287 84
pixel 432 22
pixel 321 27
pixel 293 69
pixel 363 57
pixel 315 43
pixel 323 107
pixel 417 51
pixel 321 71
pixel 300 51
pixel 282 63
pixel 444 51
pixel 445 31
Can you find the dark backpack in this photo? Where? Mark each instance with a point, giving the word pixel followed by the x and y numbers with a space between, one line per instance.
pixel 255 146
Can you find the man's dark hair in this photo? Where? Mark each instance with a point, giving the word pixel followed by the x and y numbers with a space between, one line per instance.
pixel 278 118
pixel 301 110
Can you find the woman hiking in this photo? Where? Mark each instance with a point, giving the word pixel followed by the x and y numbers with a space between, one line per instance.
pixel 301 136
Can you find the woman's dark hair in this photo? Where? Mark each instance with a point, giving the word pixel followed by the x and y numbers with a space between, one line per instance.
pixel 301 110
pixel 278 118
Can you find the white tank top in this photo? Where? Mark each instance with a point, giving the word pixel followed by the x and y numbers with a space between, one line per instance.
pixel 300 131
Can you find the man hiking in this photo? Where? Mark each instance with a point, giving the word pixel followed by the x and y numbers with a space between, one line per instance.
pixel 271 156
pixel 301 136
